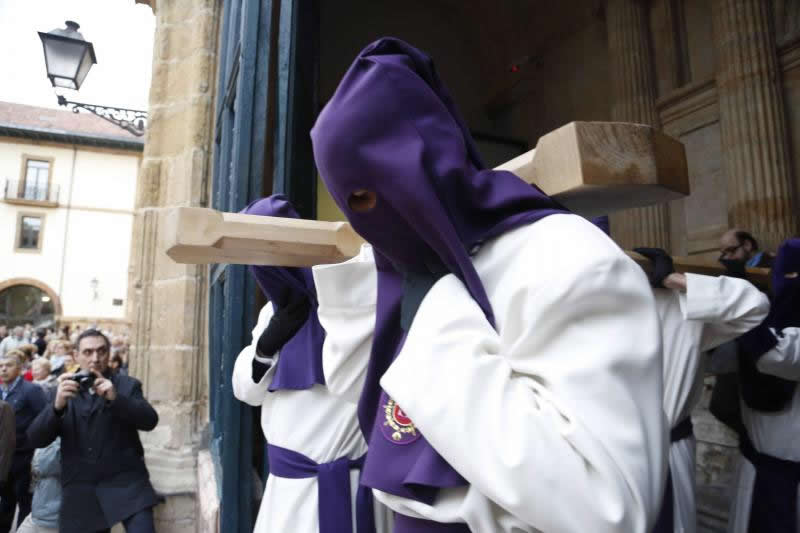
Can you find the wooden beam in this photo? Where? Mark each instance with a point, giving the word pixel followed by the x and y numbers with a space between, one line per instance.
pixel 596 168
pixel 759 277
pixel 197 235
pixel 591 167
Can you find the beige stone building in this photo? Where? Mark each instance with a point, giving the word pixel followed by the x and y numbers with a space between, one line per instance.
pixel 236 87
pixel 66 212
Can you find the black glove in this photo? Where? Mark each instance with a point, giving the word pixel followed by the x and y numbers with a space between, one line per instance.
pixel 734 268
pixel 757 342
pixel 286 321
pixel 662 265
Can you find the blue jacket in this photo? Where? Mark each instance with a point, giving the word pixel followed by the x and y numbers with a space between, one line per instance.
pixel 28 400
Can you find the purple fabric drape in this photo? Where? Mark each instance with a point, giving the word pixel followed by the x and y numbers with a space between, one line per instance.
pixel 299 366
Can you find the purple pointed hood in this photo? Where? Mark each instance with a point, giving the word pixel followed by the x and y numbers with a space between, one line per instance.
pixel 785 311
pixel 299 366
pixel 392 128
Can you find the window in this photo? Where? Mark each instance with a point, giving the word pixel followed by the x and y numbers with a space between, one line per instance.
pixel 29 232
pixel 37 179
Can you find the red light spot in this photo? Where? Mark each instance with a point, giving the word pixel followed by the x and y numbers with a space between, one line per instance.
pixel 514 68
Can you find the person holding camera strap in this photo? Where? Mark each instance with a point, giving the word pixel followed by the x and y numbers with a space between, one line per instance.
pixel 98 416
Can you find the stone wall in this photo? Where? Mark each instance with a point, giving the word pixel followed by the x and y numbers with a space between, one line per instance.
pixel 168 300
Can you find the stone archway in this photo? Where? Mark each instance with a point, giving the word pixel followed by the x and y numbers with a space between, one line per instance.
pixel 17 284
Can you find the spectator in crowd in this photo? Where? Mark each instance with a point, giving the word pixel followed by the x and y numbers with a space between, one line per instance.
pixel 739 246
pixel 15 340
pixel 42 375
pixel 29 332
pixel 123 355
pixel 40 342
pixel 51 348
pixel 61 356
pixel 8 439
pixel 105 480
pixel 27 400
pixel 3 332
pixel 46 471
pixel 73 337
pixel 23 354
pixel 115 364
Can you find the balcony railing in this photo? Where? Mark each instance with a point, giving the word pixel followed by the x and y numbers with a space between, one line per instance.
pixel 21 192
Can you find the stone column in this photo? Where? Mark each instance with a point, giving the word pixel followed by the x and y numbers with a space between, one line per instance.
pixel 752 121
pixel 168 300
pixel 633 89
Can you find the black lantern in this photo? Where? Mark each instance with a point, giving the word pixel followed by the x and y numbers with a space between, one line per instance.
pixel 67 55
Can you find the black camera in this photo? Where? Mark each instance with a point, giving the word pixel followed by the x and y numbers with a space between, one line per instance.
pixel 84 378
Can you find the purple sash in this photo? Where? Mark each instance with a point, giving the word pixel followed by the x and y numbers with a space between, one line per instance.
pixel 333 489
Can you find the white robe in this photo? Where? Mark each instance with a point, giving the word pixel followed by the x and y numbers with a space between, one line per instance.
pixel 714 310
pixel 556 421
pixel 313 422
pixel 776 434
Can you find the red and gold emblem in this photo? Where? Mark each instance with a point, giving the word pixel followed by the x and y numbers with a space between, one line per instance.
pixel 397 426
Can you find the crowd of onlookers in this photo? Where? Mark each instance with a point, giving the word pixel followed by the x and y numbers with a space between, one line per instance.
pixel 45 353
pixel 37 369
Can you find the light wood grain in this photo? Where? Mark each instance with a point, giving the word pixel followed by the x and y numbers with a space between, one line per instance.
pixel 596 168
pixel 196 235
pixel 591 167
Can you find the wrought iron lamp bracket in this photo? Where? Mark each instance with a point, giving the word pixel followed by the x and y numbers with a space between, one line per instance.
pixel 131 120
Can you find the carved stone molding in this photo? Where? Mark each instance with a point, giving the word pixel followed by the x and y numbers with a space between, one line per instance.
pixel 689 108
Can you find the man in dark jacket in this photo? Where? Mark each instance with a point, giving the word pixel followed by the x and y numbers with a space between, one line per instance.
pixel 103 475
pixel 27 400
pixel 8 438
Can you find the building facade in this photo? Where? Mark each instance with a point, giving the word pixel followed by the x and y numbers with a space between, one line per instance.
pixel 69 183
pixel 236 88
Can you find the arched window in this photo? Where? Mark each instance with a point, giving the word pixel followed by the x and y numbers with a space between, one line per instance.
pixel 22 304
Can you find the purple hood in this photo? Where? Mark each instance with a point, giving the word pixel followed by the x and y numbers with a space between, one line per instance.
pixel 392 128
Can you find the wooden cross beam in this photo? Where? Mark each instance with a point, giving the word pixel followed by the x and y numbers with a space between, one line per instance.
pixel 592 168
pixel 759 277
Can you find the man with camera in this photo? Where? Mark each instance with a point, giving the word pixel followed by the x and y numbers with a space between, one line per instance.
pixel 98 415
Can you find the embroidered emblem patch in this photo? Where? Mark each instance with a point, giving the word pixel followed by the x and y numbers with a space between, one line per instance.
pixel 397 426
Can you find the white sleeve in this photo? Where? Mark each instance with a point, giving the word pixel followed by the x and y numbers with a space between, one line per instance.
pixel 244 388
pixel 784 359
pixel 728 307
pixel 347 296
pixel 558 418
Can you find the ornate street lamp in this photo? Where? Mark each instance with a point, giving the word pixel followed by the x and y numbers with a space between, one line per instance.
pixel 68 58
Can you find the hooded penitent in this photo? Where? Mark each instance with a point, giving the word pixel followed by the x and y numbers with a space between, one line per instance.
pixel 299 366
pixel 774 503
pixel 765 392
pixel 392 128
